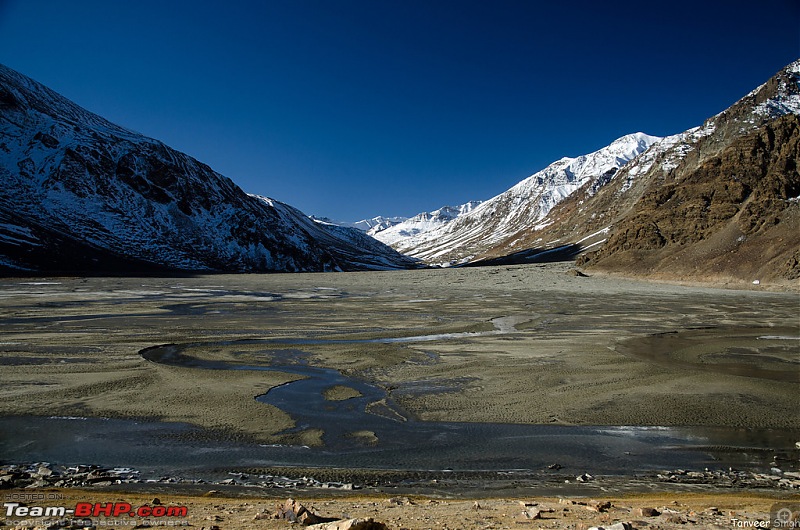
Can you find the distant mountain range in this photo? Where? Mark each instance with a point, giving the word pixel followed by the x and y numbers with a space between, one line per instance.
pixel 721 200
pixel 80 194
pixel 462 234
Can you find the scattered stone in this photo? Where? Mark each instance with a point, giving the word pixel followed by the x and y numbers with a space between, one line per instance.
pixel 44 471
pixel 156 501
pixel 584 478
pixel 646 512
pixel 675 519
pixel 44 475
pixel 598 506
pixel 294 512
pixel 555 467
pixel 350 524
pixel 400 501
pixel 476 505
pixel 621 526
pixel 615 526
pixel 577 273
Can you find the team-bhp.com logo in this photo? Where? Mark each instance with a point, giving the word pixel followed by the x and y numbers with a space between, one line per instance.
pixel 97 509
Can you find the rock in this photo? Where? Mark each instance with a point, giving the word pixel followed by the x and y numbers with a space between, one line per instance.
pixel 294 512
pixel 621 526
pixel 156 501
pixel 584 478
pixel 350 524
pixel 577 273
pixel 646 512
pixel 555 467
pixel 532 513
pixel 598 506
pixel 44 471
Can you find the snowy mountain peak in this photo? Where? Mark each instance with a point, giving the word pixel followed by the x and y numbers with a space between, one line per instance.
pixel 439 237
pixel 420 224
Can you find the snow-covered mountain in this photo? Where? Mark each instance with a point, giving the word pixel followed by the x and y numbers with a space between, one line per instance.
pixel 514 212
pixel 376 224
pixel 721 200
pixel 412 230
pixel 365 225
pixel 82 194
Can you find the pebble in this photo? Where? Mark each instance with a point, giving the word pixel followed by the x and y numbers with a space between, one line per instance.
pixel 45 475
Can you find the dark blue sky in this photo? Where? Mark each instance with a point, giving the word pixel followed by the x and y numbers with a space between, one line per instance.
pixel 355 108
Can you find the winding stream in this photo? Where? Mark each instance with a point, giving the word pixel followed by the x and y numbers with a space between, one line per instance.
pixel 368 430
pixel 364 429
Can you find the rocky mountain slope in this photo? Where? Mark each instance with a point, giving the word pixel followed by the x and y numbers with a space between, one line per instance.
pixel 721 201
pixel 513 213
pixel 82 194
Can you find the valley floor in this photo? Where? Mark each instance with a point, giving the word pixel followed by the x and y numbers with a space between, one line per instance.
pixel 527 345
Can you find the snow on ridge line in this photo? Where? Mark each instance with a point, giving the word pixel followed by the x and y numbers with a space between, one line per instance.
pixel 522 206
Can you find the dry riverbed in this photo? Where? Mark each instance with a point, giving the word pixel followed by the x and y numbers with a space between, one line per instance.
pixel 510 346
pixel 575 351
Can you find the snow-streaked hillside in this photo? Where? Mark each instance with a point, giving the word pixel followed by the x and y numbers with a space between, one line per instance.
pixel 717 201
pixel 365 225
pixel 414 229
pixel 82 194
pixel 349 244
pixel 515 211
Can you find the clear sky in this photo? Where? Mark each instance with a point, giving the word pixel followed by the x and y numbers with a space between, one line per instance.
pixel 356 108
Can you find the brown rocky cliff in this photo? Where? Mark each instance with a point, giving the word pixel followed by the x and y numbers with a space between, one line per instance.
pixel 735 214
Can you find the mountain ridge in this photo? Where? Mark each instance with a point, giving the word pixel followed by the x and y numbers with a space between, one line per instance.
pixel 112 199
pixel 520 207
pixel 686 209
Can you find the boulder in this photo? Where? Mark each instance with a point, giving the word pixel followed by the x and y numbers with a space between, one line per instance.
pixel 351 524
pixel 646 512
pixel 294 512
